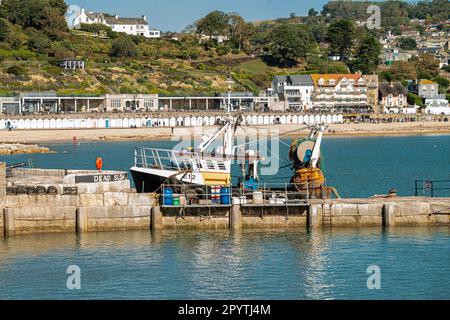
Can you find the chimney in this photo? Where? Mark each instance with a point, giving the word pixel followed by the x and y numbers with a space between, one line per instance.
pixel 144 17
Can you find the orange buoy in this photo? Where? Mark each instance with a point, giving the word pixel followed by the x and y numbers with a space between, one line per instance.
pixel 99 163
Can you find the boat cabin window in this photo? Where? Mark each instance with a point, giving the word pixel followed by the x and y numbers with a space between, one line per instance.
pixel 221 165
pixel 210 164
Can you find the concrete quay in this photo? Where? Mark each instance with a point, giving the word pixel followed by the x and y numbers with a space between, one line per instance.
pixel 96 203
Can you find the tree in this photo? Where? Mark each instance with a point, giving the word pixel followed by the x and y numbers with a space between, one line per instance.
pixel 46 15
pixel 367 55
pixel 408 44
pixel 288 42
pixel 443 83
pixel 4 29
pixel 312 12
pixel 123 47
pixel 403 70
pixel 341 35
pixel 426 65
pixel 38 40
pixel 240 32
pixel 414 99
pixel 333 67
pixel 53 23
pixel 213 24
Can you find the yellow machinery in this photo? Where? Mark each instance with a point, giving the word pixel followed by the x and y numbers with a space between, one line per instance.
pixel 305 154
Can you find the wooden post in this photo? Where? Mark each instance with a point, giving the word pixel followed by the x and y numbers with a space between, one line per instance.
pixel 235 217
pixel 9 227
pixel 81 221
pixel 156 218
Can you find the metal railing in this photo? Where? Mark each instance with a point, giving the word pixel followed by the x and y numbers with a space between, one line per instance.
pixel 265 195
pixel 183 196
pixel 163 159
pixel 436 188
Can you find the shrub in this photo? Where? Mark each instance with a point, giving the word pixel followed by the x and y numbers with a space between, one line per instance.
pixel 223 50
pixel 333 67
pixel 16 70
pixel 4 29
pixel 38 41
pixel 123 47
pixel 414 99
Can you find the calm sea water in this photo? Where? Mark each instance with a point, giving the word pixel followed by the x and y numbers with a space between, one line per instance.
pixel 357 167
pixel 264 264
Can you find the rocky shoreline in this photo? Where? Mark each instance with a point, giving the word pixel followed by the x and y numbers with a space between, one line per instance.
pixel 19 148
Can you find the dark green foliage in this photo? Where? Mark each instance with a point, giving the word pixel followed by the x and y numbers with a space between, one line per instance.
pixel 16 70
pixel 38 41
pixel 123 47
pixel 341 36
pixel 414 99
pixel 46 15
pixel 333 67
pixel 223 50
pixel 213 24
pixel 4 29
pixel 289 42
pixel 408 44
pixel 443 84
pixel 367 55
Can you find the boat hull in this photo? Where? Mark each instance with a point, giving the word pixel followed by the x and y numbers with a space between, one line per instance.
pixel 148 180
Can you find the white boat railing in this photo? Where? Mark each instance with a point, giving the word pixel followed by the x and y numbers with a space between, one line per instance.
pixel 163 159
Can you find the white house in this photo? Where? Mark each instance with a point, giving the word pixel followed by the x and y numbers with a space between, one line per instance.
pixel 437 106
pixel 130 26
pixel 297 90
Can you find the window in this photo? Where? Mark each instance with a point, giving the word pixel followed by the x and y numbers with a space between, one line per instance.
pixel 148 104
pixel 221 165
pixel 116 103
pixel 210 164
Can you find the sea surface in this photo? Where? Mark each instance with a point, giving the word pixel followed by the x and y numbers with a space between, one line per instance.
pixel 252 264
pixel 355 166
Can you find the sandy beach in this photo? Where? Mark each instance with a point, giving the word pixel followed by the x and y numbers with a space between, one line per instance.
pixel 351 129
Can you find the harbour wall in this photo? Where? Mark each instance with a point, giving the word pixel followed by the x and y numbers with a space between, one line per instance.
pixel 110 211
pixel 113 205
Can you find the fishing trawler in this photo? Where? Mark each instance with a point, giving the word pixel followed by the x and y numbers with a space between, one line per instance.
pixel 197 167
pixel 206 166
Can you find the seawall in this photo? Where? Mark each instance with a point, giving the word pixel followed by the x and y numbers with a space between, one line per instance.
pixel 25 214
pixel 45 201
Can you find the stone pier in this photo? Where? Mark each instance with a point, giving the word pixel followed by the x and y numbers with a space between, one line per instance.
pixel 84 202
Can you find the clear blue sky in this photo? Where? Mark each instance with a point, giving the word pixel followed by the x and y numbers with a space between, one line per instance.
pixel 174 15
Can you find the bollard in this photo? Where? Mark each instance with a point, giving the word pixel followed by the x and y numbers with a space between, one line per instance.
pixel 156 219
pixel 81 221
pixel 9 227
pixel 388 214
pixel 312 219
pixel 235 217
